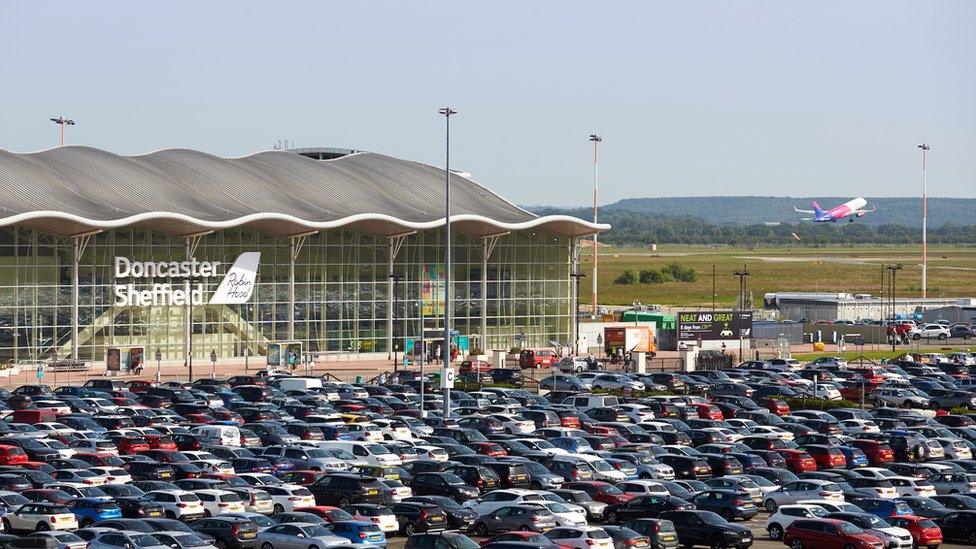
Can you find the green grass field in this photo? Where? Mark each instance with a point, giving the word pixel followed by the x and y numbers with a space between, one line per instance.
pixel 951 272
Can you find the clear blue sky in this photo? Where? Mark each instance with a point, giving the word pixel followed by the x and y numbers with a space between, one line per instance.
pixel 693 98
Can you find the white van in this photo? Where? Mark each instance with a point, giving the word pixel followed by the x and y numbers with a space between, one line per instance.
pixel 298 383
pixel 601 469
pixel 370 452
pixel 218 435
pixel 586 402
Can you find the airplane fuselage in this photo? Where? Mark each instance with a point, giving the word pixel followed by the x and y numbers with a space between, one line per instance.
pixel 846 209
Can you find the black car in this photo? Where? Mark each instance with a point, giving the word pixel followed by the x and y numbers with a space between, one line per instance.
pixel 511 475
pixel 145 470
pixel 229 532
pixel 132 524
pixel 959 525
pixel 957 502
pixel 416 517
pixel 483 478
pixel 459 518
pixel 926 507
pixel 443 484
pixel 687 467
pixel 440 540
pixel 341 489
pixel 707 528
pixel 645 506
pixel 135 507
pixel 661 532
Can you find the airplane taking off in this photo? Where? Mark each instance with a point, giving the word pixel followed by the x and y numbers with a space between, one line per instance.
pixel 850 209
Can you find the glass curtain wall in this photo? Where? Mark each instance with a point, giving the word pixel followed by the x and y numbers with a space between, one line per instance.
pixel 341 285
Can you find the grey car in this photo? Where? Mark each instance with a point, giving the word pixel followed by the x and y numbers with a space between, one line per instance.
pixel 564 383
pixel 594 509
pixel 65 540
pixel 520 518
pixel 542 478
pixel 298 535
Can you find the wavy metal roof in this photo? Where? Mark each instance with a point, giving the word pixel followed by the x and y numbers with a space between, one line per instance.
pixel 73 190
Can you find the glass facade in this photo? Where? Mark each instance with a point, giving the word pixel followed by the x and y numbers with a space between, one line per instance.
pixel 341 293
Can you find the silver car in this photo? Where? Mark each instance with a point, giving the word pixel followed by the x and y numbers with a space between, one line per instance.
pixel 116 539
pixel 183 540
pixel 298 535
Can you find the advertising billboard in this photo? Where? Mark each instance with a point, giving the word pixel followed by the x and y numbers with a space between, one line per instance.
pixel 432 289
pixel 714 325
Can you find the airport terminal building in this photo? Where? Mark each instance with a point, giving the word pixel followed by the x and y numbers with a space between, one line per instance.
pixel 186 253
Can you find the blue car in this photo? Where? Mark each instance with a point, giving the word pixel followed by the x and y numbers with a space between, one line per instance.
pixel 855 457
pixel 884 508
pixel 336 432
pixel 359 532
pixel 573 445
pixel 91 510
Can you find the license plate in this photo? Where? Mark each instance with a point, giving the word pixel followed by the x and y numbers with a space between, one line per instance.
pixel 375 538
pixel 155 513
pixel 667 538
pixel 165 474
pixel 436 519
pixel 247 535
pixel 373 492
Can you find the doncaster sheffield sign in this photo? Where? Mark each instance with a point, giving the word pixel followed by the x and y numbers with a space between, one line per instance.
pixel 235 288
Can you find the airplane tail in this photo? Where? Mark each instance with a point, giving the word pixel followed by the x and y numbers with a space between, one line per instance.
pixel 816 209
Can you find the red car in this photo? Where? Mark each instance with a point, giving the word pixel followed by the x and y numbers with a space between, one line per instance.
pixel 797 461
pixel 600 430
pixel 924 531
pixel 826 456
pixel 100 459
pixel 301 477
pixel 488 449
pixel 160 442
pixel 568 419
pixel 200 419
pixel 828 533
pixel 141 385
pixel 329 514
pixel 12 455
pixel 775 405
pixel 474 366
pixel 132 445
pixel 708 411
pixel 600 491
pixel 878 453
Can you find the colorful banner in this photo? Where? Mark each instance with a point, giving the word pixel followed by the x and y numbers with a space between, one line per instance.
pixel 432 289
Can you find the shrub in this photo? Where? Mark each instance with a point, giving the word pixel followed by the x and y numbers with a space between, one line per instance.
pixel 648 276
pixel 681 274
pixel 629 276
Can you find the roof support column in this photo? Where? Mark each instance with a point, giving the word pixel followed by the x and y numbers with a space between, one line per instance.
pixel 191 241
pixel 297 242
pixel 574 273
pixel 488 243
pixel 80 242
pixel 395 243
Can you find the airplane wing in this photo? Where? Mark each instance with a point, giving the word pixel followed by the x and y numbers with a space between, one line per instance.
pixel 806 219
pixel 797 210
pixel 859 213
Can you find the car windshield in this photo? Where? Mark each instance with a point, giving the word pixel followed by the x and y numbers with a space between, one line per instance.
pixel 460 541
pixel 712 518
pixel 818 511
pixel 601 465
pixel 144 540
pixel 262 521
pixel 67 537
pixel 92 492
pixel 377 449
pixel 611 489
pixel 451 478
pixel 849 528
pixel 317 531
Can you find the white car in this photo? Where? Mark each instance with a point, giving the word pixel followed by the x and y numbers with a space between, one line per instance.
pixel 770 431
pixel 366 432
pixel 544 446
pixel 638 413
pixel 791 492
pixel 515 424
pixel 215 466
pixel 832 506
pixel 858 426
pixel 80 477
pixel 874 472
pixel 497 499
pixel 643 488
pixel 177 504
pixel 112 475
pixel 94 446
pixel 898 397
pixel 287 497
pixel 398 490
pixel 892 536
pixel 433 453
pixel 784 516
pixel 395 429
pixel 255 500
pixel 259 480
pixel 910 486
pixel 616 381
pixel 936 451
pixel 825 391
pixel 31 517
pixel 580 537
pixel 931 331
pixel 387 522
pixel 565 515
pixel 954 448
pixel 218 502
pixel 573 365
pixel 53 427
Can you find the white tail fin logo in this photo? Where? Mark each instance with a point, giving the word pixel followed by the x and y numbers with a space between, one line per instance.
pixel 238 284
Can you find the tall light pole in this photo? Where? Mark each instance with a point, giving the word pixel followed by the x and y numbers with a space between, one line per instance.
pixel 596 139
pixel 446 346
pixel 925 214
pixel 743 275
pixel 62 121
pixel 577 275
pixel 396 278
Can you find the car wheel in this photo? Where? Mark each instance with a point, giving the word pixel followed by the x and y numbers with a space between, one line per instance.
pixel 313 547
pixel 481 529
pixel 796 544
pixel 579 369
pixel 343 501
pixel 410 529
pixel 727 515
pixel 848 546
pixel 916 337
pixel 612 517
pixel 718 542
pixel 943 337
pixel 86 523
pixel 953 492
pixel 170 515
pixel 972 538
pixel 206 513
pixel 278 509
pixel 775 532
pixel 770 506
pixel 220 544
pixel 43 527
pixel 266 545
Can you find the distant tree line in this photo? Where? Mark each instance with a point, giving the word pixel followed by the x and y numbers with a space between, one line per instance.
pixel 641 229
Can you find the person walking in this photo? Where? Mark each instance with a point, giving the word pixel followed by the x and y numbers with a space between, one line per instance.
pixel 437 354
